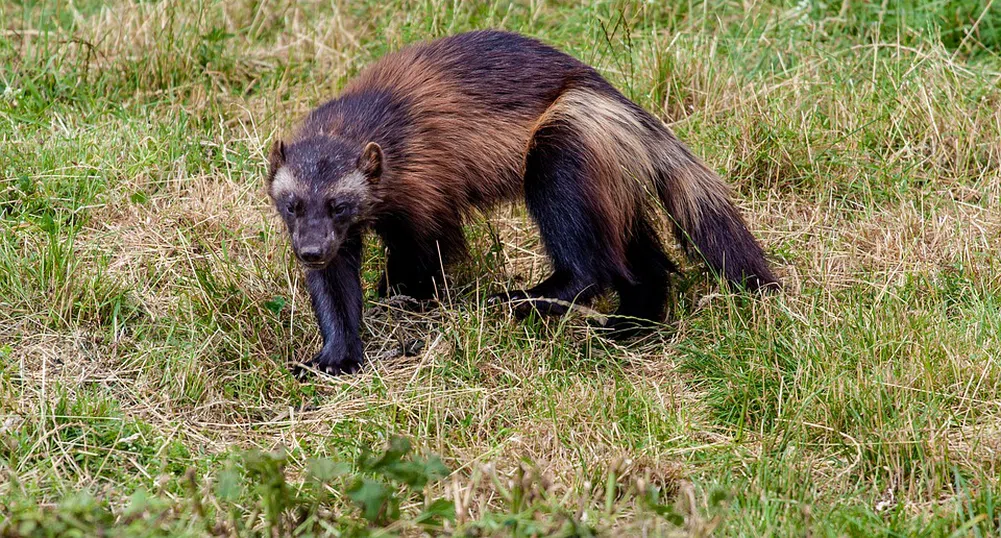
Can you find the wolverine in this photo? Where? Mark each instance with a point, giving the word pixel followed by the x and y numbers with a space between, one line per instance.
pixel 428 135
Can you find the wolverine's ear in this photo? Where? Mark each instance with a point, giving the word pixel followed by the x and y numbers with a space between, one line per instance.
pixel 276 158
pixel 370 162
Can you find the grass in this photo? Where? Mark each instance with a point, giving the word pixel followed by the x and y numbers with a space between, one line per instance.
pixel 149 303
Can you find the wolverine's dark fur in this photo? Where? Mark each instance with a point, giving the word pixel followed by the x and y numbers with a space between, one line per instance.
pixel 428 134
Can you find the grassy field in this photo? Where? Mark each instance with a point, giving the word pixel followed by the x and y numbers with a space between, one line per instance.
pixel 149 302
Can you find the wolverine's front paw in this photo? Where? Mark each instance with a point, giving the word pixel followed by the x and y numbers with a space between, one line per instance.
pixel 518 300
pixel 419 288
pixel 523 303
pixel 332 360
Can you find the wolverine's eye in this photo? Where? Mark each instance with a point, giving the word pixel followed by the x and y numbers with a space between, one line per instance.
pixel 293 206
pixel 341 209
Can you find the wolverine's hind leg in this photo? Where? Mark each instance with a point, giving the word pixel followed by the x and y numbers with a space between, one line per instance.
pixel 560 176
pixel 643 298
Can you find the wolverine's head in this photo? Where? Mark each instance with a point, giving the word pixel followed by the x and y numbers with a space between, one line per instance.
pixel 322 188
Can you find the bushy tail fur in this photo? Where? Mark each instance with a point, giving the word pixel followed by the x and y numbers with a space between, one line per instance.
pixel 706 223
pixel 630 150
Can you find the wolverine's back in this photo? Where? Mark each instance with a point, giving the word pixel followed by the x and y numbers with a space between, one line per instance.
pixel 496 70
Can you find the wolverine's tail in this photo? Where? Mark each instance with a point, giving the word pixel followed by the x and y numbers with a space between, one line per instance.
pixel 706 222
pixel 631 150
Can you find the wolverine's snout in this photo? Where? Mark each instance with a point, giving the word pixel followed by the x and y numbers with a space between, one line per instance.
pixel 311 254
pixel 315 247
pixel 316 256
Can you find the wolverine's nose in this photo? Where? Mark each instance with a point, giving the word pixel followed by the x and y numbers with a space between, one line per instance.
pixel 311 254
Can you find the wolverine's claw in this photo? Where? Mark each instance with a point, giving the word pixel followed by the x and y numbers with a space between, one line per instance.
pixel 317 366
